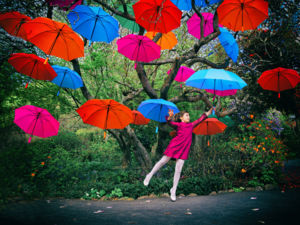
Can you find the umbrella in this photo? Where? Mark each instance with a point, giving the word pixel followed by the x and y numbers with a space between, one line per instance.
pixel 240 15
pixel 13 22
pixel 222 93
pixel 64 4
pixel 105 114
pixel 129 24
pixel 229 44
pixel 138 118
pixel 66 78
pixel 183 74
pixel 167 41
pixel 279 79
pixel 187 4
pixel 138 48
pixel 226 120
pixel 159 15
pixel 36 121
pixel 32 66
pixel 54 38
pixel 194 25
pixel 94 23
pixel 209 126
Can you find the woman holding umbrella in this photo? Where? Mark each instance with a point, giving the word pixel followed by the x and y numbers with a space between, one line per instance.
pixel 178 147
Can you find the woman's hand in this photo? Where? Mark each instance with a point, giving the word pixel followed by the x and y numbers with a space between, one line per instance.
pixel 171 113
pixel 209 111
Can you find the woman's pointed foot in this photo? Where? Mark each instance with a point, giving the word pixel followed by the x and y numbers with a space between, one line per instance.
pixel 172 195
pixel 147 180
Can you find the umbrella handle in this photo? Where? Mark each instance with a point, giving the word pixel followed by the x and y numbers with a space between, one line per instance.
pixel 208 144
pixel 29 140
pixel 213 111
pixel 156 130
pixel 26 86
pixel 58 93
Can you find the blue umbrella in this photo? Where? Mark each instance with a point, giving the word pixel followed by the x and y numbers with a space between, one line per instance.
pixel 66 78
pixel 214 1
pixel 187 4
pixel 94 23
pixel 229 44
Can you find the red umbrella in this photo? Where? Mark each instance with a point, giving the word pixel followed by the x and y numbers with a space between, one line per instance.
pixel 210 126
pixel 139 119
pixel 279 79
pixel 157 15
pixel 32 66
pixel 12 22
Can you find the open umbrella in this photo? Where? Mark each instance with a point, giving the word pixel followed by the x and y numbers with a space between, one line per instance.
pixel 64 4
pixel 94 23
pixel 226 120
pixel 32 66
pixel 241 15
pixel 138 48
pixel 36 121
pixel 105 114
pixel 194 25
pixel 187 4
pixel 229 44
pixel 183 74
pixel 222 93
pixel 54 38
pixel 159 15
pixel 210 126
pixel 66 78
pixel 138 118
pixel 167 41
pixel 13 22
pixel 129 24
pixel 279 79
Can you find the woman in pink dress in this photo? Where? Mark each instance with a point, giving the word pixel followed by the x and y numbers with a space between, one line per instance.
pixel 178 147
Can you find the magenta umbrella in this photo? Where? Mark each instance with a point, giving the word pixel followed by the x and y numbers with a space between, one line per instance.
pixel 222 93
pixel 194 25
pixel 183 74
pixel 138 48
pixel 36 121
pixel 64 4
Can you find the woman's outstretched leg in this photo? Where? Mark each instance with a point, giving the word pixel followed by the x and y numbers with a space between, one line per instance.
pixel 156 167
pixel 178 168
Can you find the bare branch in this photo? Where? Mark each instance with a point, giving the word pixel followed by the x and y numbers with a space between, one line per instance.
pixel 145 82
pixel 194 60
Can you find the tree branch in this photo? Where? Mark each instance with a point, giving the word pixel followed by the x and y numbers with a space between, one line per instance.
pixel 194 60
pixel 145 82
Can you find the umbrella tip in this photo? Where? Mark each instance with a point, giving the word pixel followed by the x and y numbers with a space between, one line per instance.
pixel 46 61
pixel 29 140
pixel 58 93
pixel 26 86
pixel 104 135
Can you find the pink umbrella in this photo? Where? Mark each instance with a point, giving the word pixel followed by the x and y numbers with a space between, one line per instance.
pixel 138 48
pixel 183 74
pixel 194 25
pixel 222 93
pixel 36 121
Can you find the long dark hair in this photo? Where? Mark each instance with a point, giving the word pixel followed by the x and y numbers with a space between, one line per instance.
pixel 178 115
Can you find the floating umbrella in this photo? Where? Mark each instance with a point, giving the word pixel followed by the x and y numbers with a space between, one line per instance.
pixel 129 24
pixel 167 41
pixel 13 22
pixel 222 93
pixel 194 25
pixel 241 15
pixel 36 121
pixel 229 44
pixel 138 118
pixel 105 114
pixel 54 38
pixel 64 4
pixel 187 4
pixel 183 74
pixel 66 78
pixel 32 66
pixel 138 48
pixel 210 126
pixel 94 23
pixel 159 15
pixel 279 79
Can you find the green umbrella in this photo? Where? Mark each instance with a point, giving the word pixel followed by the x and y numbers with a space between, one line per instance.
pixel 226 119
pixel 129 24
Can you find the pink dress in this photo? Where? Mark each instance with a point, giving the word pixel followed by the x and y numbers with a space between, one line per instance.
pixel 179 146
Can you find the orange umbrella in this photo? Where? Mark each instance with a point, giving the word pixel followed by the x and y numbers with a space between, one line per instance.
pixel 139 119
pixel 209 126
pixel 54 38
pixel 240 15
pixel 105 113
pixel 167 41
pixel 13 22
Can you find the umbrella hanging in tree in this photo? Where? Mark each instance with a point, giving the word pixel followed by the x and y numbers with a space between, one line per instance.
pixel 183 74
pixel 167 41
pixel 13 22
pixel 66 78
pixel 138 118
pixel 129 24
pixel 32 66
pixel 36 121
pixel 279 79
pixel 229 44
pixel 54 38
pixel 94 23
pixel 187 4
pixel 64 4
pixel 159 15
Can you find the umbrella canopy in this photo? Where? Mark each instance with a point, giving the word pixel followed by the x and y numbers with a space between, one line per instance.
pixel 138 118
pixel 129 24
pixel 32 66
pixel 94 23
pixel 222 93
pixel 54 38
pixel 157 109
pixel 226 120
pixel 159 15
pixel 13 22
pixel 279 79
pixel 167 41
pixel 64 4
pixel 183 73
pixel 229 44
pixel 36 121
pixel 105 114
pixel 138 48
pixel 66 78
pixel 210 126
pixel 187 4
pixel 194 25
pixel 240 15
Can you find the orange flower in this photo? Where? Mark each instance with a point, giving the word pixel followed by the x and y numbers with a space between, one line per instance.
pixel 259 125
pixel 264 148
pixel 243 170
pixel 257 128
pixel 259 146
pixel 251 116
pixel 272 150
pixel 33 174
pixel 42 163
pixel 49 157
pixel 266 138
pixel 276 161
